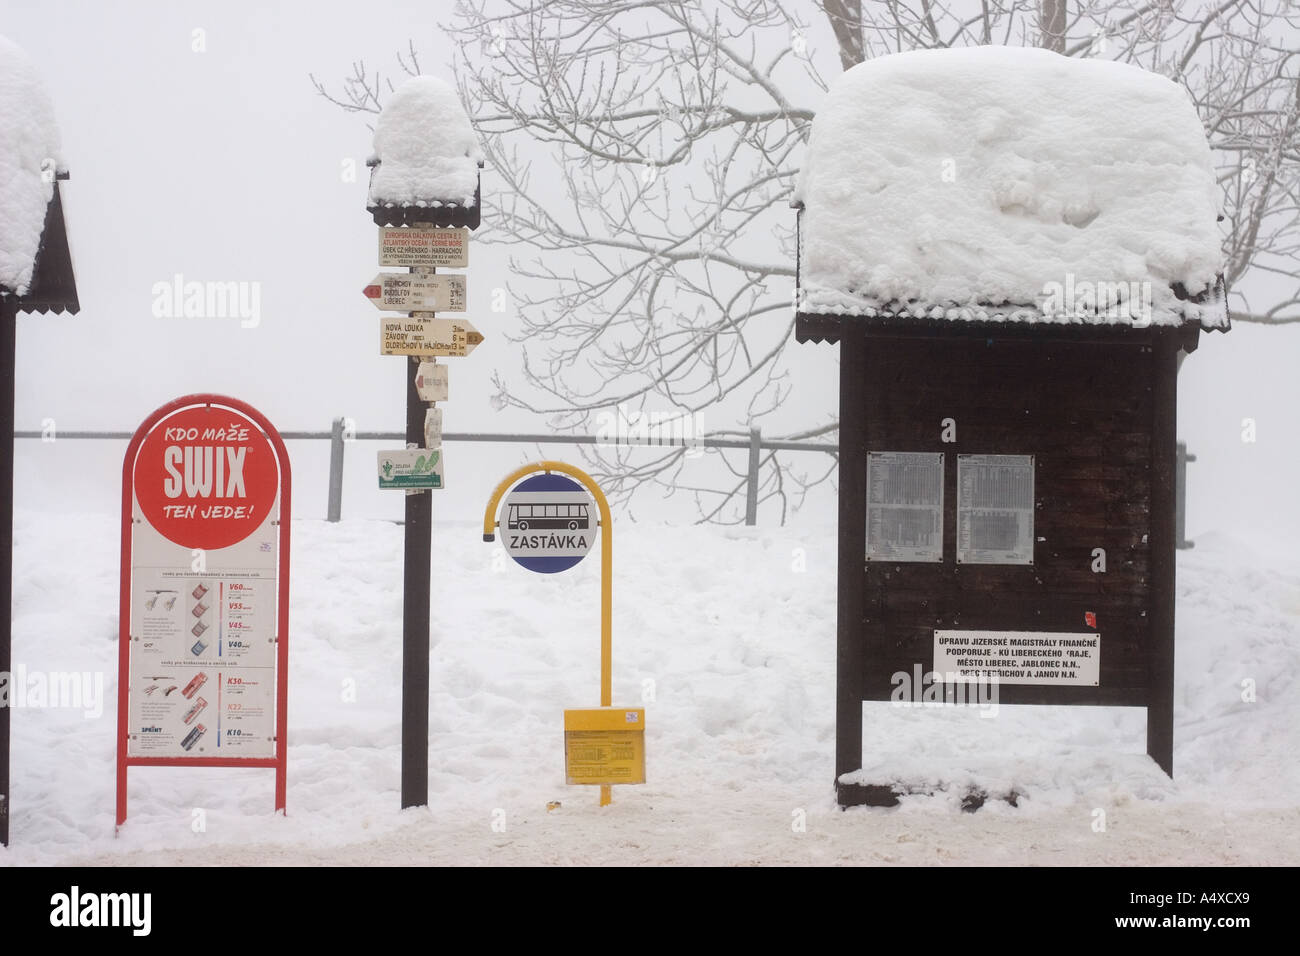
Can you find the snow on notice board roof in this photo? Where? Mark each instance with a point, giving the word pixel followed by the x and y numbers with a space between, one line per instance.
pixel 1011 184
pixel 29 159
pixel 426 147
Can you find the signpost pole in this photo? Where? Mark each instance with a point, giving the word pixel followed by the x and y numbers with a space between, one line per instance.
pixel 9 337
pixel 422 336
pixel 1160 662
pixel 417 570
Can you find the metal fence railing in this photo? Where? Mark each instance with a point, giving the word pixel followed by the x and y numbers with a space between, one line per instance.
pixel 339 435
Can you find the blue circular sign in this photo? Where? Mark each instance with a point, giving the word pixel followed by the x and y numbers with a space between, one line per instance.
pixel 548 523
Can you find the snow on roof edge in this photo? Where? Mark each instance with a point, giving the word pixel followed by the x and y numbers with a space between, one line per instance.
pixel 1211 314
pixel 425 149
pixel 30 160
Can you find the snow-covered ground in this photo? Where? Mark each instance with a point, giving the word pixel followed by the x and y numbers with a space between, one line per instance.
pixel 728 637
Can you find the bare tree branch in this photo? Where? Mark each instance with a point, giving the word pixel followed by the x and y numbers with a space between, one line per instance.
pixel 644 152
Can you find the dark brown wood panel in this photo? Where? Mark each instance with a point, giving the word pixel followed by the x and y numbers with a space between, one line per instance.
pixel 1085 411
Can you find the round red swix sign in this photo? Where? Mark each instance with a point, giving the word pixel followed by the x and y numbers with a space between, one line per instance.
pixel 206 478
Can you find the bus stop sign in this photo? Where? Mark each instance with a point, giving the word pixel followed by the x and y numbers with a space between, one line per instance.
pixel 548 523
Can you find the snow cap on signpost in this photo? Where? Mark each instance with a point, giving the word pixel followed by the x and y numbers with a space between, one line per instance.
pixel 35 264
pixel 425 167
pixel 954 184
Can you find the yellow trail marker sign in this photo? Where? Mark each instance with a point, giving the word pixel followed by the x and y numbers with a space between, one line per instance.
pixel 410 336
pixel 604 745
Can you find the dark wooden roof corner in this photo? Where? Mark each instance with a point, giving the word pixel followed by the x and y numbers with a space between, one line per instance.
pixel 54 285
pixel 441 213
pixel 1218 292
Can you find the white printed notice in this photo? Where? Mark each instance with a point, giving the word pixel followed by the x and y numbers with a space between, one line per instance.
pixel 1020 657
pixel 904 506
pixel 203 663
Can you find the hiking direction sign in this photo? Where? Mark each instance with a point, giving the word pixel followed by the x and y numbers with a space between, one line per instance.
pixel 431 382
pixel 410 469
pixel 433 427
pixel 437 248
pixel 548 523
pixel 403 335
pixel 414 292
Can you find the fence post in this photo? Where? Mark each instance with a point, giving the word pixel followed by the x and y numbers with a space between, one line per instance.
pixel 335 506
pixel 751 486
pixel 1180 497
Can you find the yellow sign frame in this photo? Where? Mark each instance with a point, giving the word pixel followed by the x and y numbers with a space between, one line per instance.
pixel 604 746
pixel 606 564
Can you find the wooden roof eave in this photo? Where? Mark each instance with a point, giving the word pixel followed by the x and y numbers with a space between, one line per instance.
pixel 832 328
pixel 54 284
pixel 445 215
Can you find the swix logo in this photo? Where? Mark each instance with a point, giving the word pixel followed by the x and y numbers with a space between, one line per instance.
pixel 206 478
pixel 210 471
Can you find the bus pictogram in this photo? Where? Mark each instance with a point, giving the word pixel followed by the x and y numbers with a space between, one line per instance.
pixel 547 514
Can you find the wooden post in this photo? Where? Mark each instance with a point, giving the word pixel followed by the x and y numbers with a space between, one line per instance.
pixel 417 569
pixel 850 611
pixel 8 350
pixel 335 506
pixel 1160 653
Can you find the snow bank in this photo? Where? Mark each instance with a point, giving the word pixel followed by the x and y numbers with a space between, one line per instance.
pixel 29 157
pixel 963 178
pixel 426 147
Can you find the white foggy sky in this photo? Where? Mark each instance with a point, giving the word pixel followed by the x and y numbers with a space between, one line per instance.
pixel 225 165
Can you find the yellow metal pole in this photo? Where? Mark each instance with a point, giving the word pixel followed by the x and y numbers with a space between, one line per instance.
pixel 606 568
pixel 606 613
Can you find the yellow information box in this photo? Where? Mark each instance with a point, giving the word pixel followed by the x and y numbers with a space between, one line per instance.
pixel 604 745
